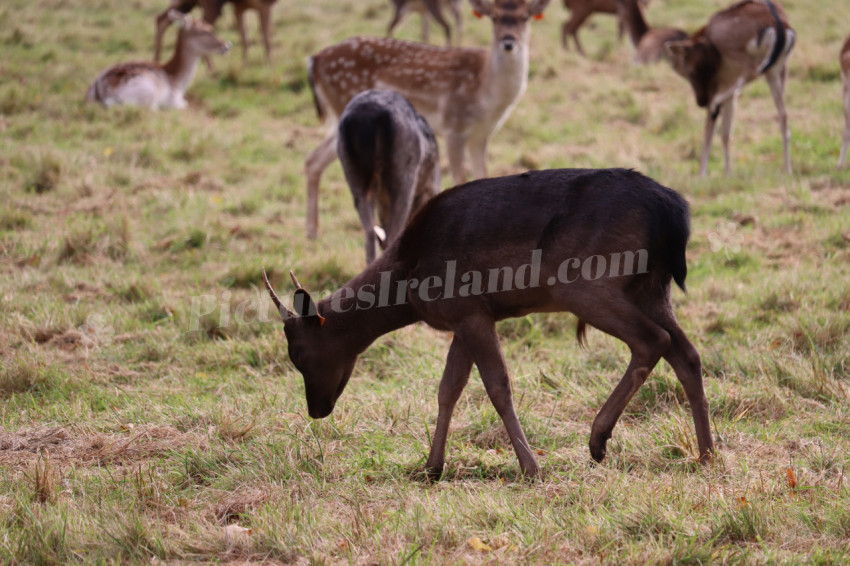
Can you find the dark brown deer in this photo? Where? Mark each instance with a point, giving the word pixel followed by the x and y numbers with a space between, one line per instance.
pixel 426 8
pixel 580 11
pixel 391 161
pixel 212 11
pixel 464 93
pixel 602 244
pixel 649 42
pixel 844 61
pixel 740 43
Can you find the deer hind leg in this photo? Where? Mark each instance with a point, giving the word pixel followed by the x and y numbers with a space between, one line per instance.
pixel 685 361
pixel 846 136
pixel 648 342
pixel 456 149
pixel 478 335
pixel 455 378
pixel 727 112
pixel 708 134
pixel 454 6
pixel 434 9
pixel 316 163
pixel 478 157
pixel 239 12
pixel 571 27
pixel 776 80
pixel 265 11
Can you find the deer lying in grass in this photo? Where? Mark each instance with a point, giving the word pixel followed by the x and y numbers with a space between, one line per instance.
pixel 602 244
pixel 154 85
pixel 426 8
pixel 844 61
pixel 464 93
pixel 649 42
pixel 212 11
pixel 390 159
pixel 580 10
pixel 748 39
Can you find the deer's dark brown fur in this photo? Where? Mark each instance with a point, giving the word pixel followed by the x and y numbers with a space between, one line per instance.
pixel 556 216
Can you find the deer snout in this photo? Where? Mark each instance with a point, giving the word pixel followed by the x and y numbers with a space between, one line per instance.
pixel 320 410
pixel 508 43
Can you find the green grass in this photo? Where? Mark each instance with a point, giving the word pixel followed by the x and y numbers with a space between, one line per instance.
pixel 147 402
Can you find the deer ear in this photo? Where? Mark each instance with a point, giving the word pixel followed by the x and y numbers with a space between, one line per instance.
pixel 678 48
pixel 481 8
pixel 305 307
pixel 535 8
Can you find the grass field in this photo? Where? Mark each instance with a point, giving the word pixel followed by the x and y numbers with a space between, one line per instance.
pixel 134 431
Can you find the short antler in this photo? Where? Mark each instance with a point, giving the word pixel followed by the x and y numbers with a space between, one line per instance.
pixel 295 280
pixel 284 312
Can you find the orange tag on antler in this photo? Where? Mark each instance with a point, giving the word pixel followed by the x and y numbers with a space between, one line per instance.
pixel 538 17
pixel 477 14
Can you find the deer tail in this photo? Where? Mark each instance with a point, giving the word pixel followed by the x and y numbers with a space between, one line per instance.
pixel 312 81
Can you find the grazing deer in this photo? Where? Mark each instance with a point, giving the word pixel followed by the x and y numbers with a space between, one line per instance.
pixel 649 42
pixel 154 85
pixel 602 244
pixel 212 11
pixel 464 93
pixel 390 158
pixel 580 10
pixel 748 39
pixel 402 8
pixel 844 60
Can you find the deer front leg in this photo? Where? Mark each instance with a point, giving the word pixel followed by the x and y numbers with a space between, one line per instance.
pixel 455 378
pixel 708 134
pixel 727 111
pixel 479 336
pixel 265 29
pixel 846 136
pixel 456 148
pixel 239 12
pixel 316 163
pixel 478 157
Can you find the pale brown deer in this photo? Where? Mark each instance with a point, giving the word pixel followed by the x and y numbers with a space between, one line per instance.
pixel 649 42
pixel 749 39
pixel 602 244
pixel 391 162
pixel 844 61
pixel 426 8
pixel 580 11
pixel 464 93
pixel 155 85
pixel 212 11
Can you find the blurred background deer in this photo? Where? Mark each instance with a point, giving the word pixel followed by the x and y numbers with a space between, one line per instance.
pixel 428 9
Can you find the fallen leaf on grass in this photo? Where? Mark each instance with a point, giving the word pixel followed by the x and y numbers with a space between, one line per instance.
pixel 479 545
pixel 792 478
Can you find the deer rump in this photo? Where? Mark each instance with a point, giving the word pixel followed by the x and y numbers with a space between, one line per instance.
pixel 569 215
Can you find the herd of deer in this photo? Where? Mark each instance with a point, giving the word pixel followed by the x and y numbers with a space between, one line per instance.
pixel 382 99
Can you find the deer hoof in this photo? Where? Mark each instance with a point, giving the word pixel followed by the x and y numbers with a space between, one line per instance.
pixel 434 473
pixel 597 451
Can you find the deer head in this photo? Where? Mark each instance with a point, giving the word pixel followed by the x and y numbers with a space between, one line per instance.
pixel 697 61
pixel 198 36
pixel 326 373
pixel 510 19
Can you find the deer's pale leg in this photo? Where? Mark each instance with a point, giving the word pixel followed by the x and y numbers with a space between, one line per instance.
pixel 265 29
pixel 239 11
pixel 366 209
pixel 478 334
pixel 317 162
pixel 478 158
pixel 727 112
pixel 685 360
pixel 708 134
pixel 776 80
pixel 846 136
pixel 456 148
pixel 455 378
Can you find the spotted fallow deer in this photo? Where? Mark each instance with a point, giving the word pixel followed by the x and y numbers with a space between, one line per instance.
pixel 154 85
pixel 649 42
pixel 391 162
pixel 748 39
pixel 464 93
pixel 426 8
pixel 844 60
pixel 212 11
pixel 580 11
pixel 602 244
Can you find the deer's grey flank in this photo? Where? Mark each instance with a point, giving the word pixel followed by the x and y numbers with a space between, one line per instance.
pixel 390 159
pixel 497 224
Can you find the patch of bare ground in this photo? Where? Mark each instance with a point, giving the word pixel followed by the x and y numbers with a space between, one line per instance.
pixel 20 448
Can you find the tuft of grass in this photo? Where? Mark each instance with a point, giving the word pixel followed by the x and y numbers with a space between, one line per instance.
pixel 47 172
pixel 25 374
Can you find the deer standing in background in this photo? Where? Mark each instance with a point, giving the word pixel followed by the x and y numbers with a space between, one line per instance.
pixel 602 244
pixel 154 85
pixel 464 93
pixel 212 11
pixel 649 42
pixel 402 8
pixel 390 158
pixel 580 10
pixel 844 61
pixel 748 39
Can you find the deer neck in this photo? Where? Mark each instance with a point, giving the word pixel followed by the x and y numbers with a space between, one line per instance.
pixel 182 65
pixel 634 21
pixel 505 75
pixel 369 306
